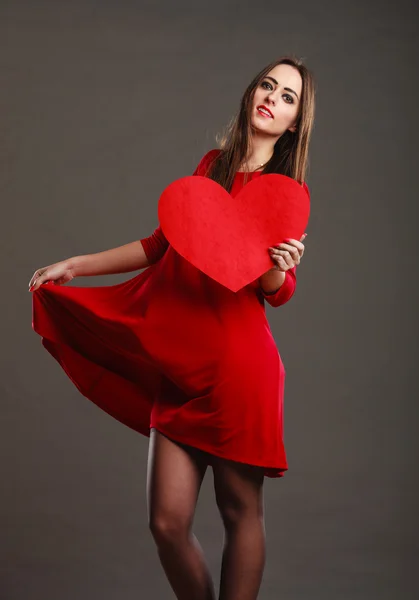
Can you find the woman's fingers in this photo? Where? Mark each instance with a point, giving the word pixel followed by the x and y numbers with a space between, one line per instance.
pixel 57 273
pixel 291 243
pixel 34 277
pixel 282 258
pixel 279 263
pixel 296 253
pixel 293 247
pixel 291 257
pixel 290 251
pixel 34 285
pixel 297 243
pixel 39 277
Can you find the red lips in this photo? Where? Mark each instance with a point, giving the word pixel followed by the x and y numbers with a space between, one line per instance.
pixel 266 108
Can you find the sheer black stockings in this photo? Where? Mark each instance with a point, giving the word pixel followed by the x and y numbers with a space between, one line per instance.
pixel 175 475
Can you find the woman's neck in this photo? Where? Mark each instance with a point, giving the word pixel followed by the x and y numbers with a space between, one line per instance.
pixel 261 151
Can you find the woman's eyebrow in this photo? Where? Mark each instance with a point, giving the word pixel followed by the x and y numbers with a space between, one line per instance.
pixel 285 88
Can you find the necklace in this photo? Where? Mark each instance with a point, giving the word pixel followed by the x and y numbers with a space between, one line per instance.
pixel 259 166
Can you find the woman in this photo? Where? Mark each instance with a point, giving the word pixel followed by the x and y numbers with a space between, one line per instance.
pixel 182 359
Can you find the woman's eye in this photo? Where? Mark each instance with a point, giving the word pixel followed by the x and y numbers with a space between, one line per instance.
pixel 268 84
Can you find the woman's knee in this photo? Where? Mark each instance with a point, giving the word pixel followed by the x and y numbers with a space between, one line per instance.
pixel 235 512
pixel 169 529
pixel 174 478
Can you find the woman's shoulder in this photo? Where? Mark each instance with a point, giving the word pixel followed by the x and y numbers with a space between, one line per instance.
pixel 206 161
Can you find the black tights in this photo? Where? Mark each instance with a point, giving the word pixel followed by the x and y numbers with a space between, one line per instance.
pixel 175 475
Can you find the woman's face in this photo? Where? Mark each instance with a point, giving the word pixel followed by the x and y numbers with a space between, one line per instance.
pixel 276 101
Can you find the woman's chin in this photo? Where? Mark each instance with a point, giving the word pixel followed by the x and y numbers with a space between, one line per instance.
pixel 258 129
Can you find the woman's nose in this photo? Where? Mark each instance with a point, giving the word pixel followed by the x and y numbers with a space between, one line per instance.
pixel 272 96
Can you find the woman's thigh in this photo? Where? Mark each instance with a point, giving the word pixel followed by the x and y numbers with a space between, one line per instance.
pixel 238 490
pixel 174 476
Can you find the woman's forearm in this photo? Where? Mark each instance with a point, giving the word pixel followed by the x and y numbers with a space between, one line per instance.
pixel 122 259
pixel 272 280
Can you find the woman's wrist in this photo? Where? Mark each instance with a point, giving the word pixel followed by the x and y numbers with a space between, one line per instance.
pixel 75 264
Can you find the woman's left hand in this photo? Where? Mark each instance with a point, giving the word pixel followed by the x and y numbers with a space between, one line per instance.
pixel 288 254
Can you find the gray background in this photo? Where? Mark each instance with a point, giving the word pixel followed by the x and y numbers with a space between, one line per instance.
pixel 103 104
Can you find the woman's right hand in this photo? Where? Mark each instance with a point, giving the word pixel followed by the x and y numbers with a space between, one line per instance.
pixel 58 273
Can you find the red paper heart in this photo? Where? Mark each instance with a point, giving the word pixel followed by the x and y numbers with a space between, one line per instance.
pixel 228 238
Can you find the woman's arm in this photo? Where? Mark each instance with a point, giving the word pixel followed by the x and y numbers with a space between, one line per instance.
pixel 137 255
pixel 278 286
pixel 122 259
pixel 271 281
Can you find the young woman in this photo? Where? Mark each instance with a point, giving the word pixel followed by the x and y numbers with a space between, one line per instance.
pixel 182 359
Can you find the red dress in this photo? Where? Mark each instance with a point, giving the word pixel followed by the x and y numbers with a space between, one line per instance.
pixel 173 349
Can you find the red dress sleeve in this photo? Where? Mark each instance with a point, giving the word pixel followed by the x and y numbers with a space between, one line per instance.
pixel 156 244
pixel 287 289
pixel 206 162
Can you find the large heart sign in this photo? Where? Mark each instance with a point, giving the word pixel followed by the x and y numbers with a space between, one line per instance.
pixel 227 237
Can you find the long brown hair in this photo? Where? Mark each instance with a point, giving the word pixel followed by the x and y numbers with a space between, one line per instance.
pixel 290 155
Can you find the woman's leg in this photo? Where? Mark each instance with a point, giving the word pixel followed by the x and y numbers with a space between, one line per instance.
pixel 174 478
pixel 239 494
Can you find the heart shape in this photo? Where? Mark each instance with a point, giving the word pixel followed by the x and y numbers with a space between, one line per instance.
pixel 228 237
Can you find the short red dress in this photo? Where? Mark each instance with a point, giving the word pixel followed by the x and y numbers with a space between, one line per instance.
pixel 175 350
